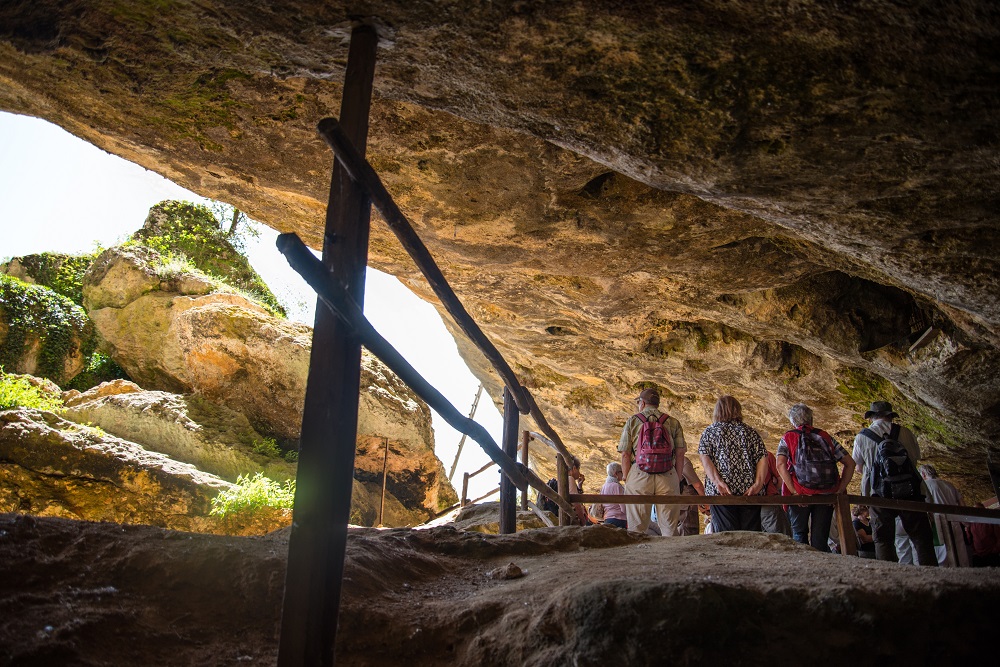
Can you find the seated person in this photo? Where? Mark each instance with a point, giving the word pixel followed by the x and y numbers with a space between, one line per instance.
pixel 862 526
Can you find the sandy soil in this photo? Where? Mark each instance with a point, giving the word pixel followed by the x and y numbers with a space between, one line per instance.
pixel 77 593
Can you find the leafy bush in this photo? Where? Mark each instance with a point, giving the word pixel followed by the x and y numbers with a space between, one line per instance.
pixel 18 392
pixel 252 493
pixel 267 447
pixel 100 368
pixel 63 274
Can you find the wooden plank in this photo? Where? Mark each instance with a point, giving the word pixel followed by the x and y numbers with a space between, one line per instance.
pixel 629 499
pixel 523 447
pixel 461 442
pixel 508 494
pixel 465 489
pixel 562 480
pixel 950 512
pixel 318 538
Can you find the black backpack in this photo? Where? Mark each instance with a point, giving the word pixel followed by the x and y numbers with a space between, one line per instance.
pixel 893 473
pixel 547 505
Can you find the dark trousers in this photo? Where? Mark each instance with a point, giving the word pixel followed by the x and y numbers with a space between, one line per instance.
pixel 916 526
pixel 735 517
pixel 617 523
pixel 821 516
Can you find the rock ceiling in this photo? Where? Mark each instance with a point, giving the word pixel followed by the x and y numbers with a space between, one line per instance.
pixel 769 199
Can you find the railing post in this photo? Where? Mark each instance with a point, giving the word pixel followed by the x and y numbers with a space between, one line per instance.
pixel 508 492
pixel 318 539
pixel 525 439
pixel 848 538
pixel 385 470
pixel 562 478
pixel 465 489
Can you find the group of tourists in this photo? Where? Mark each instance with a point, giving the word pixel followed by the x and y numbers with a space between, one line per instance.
pixel 808 461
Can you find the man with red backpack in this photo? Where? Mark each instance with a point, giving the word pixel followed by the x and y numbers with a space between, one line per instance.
pixel 651 444
pixel 807 461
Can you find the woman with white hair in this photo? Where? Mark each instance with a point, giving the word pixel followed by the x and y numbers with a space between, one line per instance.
pixel 807 461
pixel 614 513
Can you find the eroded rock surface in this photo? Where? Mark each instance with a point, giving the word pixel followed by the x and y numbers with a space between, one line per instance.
pixel 774 200
pixel 103 594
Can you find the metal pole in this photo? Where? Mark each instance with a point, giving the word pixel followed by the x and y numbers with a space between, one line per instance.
pixel 385 468
pixel 508 493
pixel 318 538
pixel 461 443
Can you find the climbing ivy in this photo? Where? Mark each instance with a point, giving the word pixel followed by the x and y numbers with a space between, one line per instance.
pixel 63 274
pixel 56 321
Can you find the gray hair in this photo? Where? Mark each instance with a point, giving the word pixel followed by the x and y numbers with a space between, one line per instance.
pixel 614 468
pixel 800 414
pixel 927 471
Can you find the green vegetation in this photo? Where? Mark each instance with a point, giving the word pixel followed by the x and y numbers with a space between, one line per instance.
pixel 59 324
pixel 18 392
pixel 860 388
pixel 100 368
pixel 267 447
pixel 252 493
pixel 63 274
pixel 190 235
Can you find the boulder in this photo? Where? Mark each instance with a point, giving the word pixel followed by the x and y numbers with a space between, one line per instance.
pixel 485 518
pixel 221 346
pixel 186 428
pixel 54 467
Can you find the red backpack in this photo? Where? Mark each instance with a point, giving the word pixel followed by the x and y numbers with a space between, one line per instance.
pixel 654 452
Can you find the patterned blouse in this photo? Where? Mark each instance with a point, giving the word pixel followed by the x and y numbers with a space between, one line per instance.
pixel 735 449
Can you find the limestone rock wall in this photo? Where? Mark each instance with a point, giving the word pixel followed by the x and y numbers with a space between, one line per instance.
pixel 773 200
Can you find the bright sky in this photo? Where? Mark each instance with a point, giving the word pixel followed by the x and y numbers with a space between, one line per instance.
pixel 61 194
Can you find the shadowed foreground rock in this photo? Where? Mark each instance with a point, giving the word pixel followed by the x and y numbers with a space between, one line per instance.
pixel 98 594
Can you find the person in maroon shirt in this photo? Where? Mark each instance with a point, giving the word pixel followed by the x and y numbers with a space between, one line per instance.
pixel 985 539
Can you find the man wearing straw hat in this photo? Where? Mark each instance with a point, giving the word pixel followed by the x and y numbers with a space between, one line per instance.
pixel 915 524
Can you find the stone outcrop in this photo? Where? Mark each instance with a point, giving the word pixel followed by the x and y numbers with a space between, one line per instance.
pixel 52 467
pixel 186 428
pixel 774 200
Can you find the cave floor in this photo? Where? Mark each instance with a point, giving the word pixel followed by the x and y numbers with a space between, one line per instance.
pixel 80 593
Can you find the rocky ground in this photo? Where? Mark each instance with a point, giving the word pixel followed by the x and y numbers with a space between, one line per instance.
pixel 85 593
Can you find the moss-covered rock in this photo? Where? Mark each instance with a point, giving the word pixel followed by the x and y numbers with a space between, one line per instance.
pixel 41 332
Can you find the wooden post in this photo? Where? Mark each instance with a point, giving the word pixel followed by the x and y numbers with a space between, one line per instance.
pixel 508 492
pixel 848 538
pixel 461 442
pixel 318 538
pixel 465 489
pixel 525 439
pixel 562 477
pixel 385 470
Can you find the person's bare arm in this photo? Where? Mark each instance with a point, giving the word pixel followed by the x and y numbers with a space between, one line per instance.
pixel 781 463
pixel 760 478
pixel 845 479
pixel 712 473
pixel 626 463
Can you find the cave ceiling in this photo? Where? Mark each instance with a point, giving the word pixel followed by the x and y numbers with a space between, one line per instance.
pixel 768 199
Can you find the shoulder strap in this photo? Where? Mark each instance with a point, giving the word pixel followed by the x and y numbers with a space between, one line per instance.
pixel 872 435
pixel 663 419
pixel 641 417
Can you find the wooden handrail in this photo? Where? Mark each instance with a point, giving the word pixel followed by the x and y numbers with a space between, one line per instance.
pixel 951 512
pixel 336 299
pixel 363 173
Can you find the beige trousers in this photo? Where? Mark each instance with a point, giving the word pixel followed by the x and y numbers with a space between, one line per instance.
pixel 640 483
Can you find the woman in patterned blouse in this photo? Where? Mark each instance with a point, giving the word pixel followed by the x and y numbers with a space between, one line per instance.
pixel 735 463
